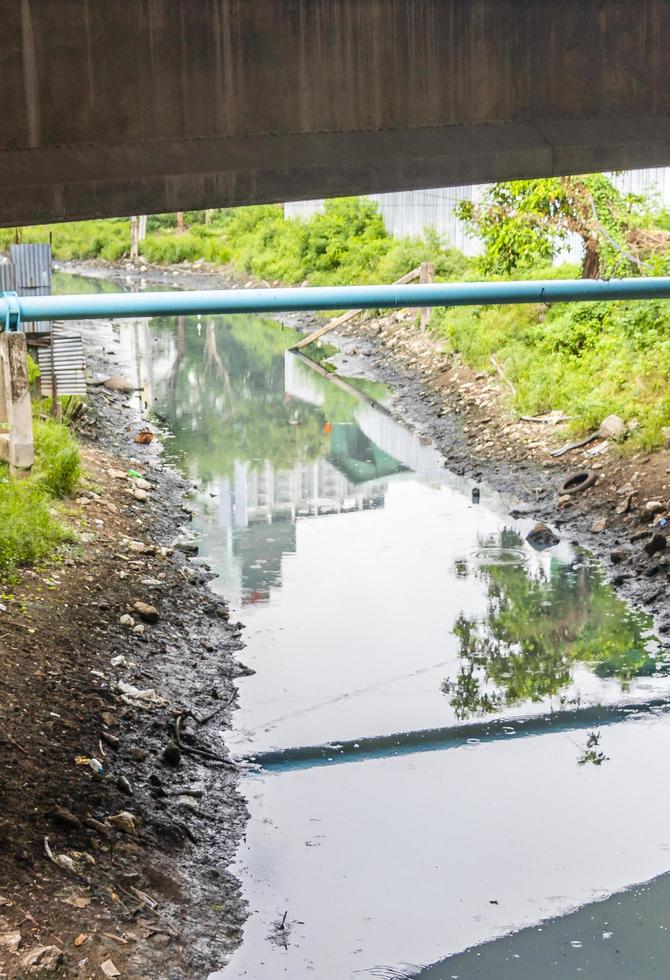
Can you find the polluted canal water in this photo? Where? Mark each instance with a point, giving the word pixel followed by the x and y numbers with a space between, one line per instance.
pixel 457 744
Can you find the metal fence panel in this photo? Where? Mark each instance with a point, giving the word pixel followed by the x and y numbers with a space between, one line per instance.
pixel 7 278
pixel 66 358
pixel 32 271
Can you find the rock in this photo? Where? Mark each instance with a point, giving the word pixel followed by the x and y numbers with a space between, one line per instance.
pixel 171 754
pixel 136 754
pixel 126 620
pixel 144 437
pixel 117 383
pixel 119 661
pixel 117 474
pixel 124 785
pixel 625 504
pixel 10 940
pixel 520 509
pixel 141 548
pixel 613 427
pixel 139 630
pixel 618 555
pixel 541 536
pixel 142 484
pixel 65 817
pixel 654 507
pixel 110 739
pixel 657 542
pixel 41 960
pixel 598 526
pixel 639 536
pixel 146 612
pixel 187 546
pixel 124 822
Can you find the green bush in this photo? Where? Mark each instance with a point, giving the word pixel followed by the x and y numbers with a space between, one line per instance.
pixel 586 359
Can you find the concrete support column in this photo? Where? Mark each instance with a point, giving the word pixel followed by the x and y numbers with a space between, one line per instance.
pixel 16 435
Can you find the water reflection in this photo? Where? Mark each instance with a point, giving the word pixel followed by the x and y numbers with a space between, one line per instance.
pixel 265 457
pixel 537 625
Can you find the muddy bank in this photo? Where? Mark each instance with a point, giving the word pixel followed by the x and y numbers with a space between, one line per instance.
pixel 114 839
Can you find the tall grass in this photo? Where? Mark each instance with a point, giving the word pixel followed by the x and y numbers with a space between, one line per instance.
pixel 29 527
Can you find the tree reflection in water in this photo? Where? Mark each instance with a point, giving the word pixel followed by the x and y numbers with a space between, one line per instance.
pixel 537 626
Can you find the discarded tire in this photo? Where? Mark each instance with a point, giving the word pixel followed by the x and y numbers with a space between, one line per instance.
pixel 577 482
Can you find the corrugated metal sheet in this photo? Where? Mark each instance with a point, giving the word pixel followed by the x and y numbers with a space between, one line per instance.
pixel 7 278
pixel 32 266
pixel 66 358
pixel 33 269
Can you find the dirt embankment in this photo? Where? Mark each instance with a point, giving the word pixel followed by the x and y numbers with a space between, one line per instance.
pixel 115 840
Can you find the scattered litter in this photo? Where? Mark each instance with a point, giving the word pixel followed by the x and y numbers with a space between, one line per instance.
pixel 126 620
pixel 575 445
pixel 554 417
pixel 135 695
pixel 598 450
pixel 119 661
pixel 109 969
pixel 60 860
pixel 96 767
pixel 81 939
pixel 577 482
pixel 144 437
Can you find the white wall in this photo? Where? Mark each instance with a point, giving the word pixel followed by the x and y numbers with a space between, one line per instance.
pixel 411 212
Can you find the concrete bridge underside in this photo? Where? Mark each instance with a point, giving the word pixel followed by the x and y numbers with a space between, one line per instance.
pixel 140 106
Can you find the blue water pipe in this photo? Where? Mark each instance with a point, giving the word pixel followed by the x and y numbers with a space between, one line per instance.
pixel 17 309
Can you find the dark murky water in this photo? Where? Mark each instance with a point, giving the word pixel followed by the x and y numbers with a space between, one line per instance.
pixel 460 737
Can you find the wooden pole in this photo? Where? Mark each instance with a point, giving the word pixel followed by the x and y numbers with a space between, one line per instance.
pixel 345 317
pixel 134 238
pixel 427 274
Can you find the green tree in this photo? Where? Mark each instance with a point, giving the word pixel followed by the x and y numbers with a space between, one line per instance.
pixel 524 221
